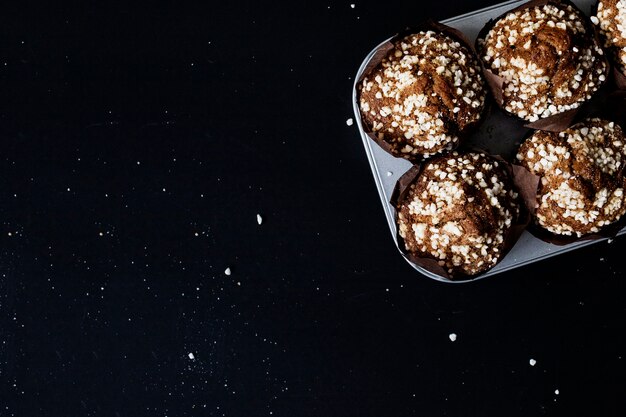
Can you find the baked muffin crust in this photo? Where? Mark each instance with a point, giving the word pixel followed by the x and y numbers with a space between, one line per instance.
pixel 582 176
pixel 424 95
pixel 458 211
pixel 548 58
pixel 611 19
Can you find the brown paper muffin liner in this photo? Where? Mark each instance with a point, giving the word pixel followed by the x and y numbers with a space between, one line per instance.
pixel 523 180
pixel 557 122
pixel 620 79
pixel 382 52
pixel 609 232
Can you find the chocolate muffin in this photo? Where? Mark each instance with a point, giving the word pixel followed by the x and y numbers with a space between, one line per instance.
pixel 424 95
pixel 582 176
pixel 611 19
pixel 458 210
pixel 547 57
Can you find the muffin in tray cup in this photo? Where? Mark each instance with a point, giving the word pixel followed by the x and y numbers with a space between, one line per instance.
pixel 543 61
pixel 458 214
pixel 423 93
pixel 582 185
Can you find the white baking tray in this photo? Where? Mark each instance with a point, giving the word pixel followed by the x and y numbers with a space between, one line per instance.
pixel 499 135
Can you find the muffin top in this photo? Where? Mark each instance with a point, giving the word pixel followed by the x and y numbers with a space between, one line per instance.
pixel 458 211
pixel 548 58
pixel 582 176
pixel 424 95
pixel 611 18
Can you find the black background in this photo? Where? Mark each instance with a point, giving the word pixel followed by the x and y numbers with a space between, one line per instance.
pixel 126 130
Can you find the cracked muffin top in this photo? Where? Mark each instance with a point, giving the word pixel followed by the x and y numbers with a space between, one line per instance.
pixel 582 176
pixel 547 57
pixel 458 211
pixel 423 96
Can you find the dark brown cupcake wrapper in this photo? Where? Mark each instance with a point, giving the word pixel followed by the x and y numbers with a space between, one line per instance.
pixel 557 122
pixel 527 184
pixel 383 50
pixel 619 78
pixel 609 232
pixel 523 180
pixel 377 58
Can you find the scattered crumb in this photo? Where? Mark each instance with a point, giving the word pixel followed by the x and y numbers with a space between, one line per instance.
pixel 452 337
pixel 227 271
pixel 556 391
pixel 389 173
pixel 609 241
pixel 349 122
pixel 191 356
pixel 601 259
pixel 238 284
pixel 532 362
pixel 259 219
pixel 352 6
